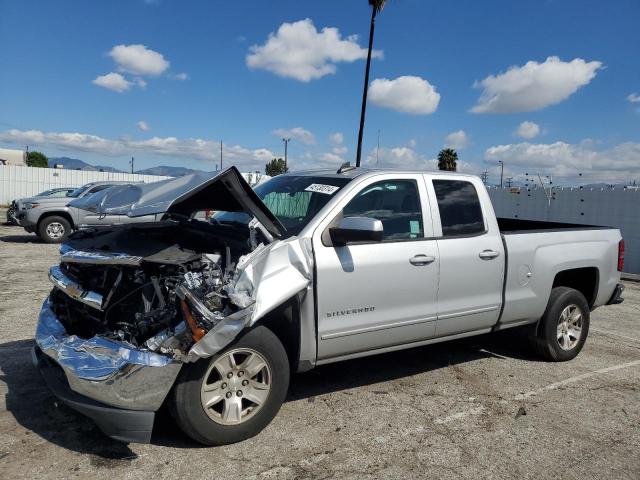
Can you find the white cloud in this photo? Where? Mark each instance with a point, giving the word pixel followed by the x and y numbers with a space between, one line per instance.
pixel 297 133
pixel 144 126
pixel 139 60
pixel 404 158
pixel 140 82
pixel 633 98
pixel 528 130
pixel 297 50
pixel 534 85
pixel 411 143
pixel 113 81
pixel 187 148
pixel 407 94
pixel 331 158
pixel 181 76
pixel 617 164
pixel 339 150
pixel 336 138
pixel 457 140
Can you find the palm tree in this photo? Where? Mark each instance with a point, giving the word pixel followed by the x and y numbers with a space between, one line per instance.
pixel 376 6
pixel 448 160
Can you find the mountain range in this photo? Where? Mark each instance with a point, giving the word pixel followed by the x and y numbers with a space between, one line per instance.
pixel 77 164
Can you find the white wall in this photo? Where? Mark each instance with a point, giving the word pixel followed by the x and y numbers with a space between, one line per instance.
pixel 21 182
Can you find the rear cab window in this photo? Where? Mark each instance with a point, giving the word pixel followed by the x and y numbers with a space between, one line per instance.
pixel 459 208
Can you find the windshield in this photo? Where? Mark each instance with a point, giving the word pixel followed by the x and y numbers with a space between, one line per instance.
pixel 78 191
pixel 293 200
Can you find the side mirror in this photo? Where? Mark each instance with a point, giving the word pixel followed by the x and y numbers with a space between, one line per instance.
pixel 356 229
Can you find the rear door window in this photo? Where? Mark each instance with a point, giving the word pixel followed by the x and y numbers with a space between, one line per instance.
pixel 459 207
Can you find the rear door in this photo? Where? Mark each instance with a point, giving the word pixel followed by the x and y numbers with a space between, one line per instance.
pixel 471 256
pixel 380 294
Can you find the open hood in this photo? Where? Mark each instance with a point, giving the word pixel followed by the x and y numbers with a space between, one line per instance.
pixel 224 191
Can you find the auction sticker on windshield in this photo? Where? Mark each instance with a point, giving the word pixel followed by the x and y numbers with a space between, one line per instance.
pixel 320 188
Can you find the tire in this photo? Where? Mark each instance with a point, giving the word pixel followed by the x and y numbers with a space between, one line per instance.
pixel 54 229
pixel 563 329
pixel 211 426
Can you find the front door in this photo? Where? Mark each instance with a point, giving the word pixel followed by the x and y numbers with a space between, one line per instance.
pixel 381 294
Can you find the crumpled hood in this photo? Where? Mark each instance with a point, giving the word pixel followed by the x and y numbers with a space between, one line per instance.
pixel 224 191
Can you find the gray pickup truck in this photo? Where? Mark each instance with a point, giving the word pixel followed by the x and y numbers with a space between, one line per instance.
pixel 310 268
pixel 52 219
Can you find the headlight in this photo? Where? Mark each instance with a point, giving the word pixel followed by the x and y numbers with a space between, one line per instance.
pixel 30 205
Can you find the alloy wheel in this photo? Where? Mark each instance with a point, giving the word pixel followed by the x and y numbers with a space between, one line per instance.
pixel 236 386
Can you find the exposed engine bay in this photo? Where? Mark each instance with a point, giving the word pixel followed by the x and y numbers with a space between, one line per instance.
pixel 176 282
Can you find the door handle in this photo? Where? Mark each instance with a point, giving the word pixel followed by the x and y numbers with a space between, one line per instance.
pixel 488 254
pixel 422 259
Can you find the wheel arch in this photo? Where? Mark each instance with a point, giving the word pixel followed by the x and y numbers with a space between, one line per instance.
pixel 583 279
pixel 284 322
pixel 55 213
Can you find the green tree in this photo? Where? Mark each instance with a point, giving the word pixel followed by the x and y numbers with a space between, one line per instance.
pixel 37 159
pixel 275 167
pixel 376 6
pixel 448 160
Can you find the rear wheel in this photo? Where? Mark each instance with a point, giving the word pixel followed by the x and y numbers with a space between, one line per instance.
pixel 564 326
pixel 54 229
pixel 235 394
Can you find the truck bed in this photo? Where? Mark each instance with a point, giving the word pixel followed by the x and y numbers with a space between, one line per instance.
pixel 533 261
pixel 511 226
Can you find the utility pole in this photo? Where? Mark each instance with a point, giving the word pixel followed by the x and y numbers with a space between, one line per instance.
pixel 286 144
pixel 509 180
pixel 131 162
pixel 501 171
pixel 485 176
pixel 374 11
pixel 26 154
pixel 220 154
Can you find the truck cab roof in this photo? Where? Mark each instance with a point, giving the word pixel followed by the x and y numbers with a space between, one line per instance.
pixel 354 172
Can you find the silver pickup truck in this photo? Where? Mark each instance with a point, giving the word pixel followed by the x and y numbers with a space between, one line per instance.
pixel 310 268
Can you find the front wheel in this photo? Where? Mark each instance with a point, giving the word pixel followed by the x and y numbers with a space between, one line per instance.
pixel 564 326
pixel 233 395
pixel 54 229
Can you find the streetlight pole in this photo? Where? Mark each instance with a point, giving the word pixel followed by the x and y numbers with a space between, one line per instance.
pixel 286 144
pixel 501 171
pixel 131 162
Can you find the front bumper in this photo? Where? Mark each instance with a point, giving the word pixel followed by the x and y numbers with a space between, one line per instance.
pixel 129 426
pixel 115 375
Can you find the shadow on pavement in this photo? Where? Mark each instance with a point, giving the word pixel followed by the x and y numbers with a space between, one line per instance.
pixel 36 409
pixel 26 238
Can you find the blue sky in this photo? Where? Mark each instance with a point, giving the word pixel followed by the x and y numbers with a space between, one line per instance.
pixel 550 86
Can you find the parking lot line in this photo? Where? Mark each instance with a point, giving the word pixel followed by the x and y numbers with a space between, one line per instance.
pixel 577 378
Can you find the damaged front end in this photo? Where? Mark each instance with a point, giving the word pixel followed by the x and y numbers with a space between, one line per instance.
pixel 132 304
